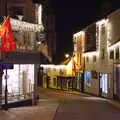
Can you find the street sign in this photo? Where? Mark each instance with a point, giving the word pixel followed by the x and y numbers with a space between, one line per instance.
pixel 6 66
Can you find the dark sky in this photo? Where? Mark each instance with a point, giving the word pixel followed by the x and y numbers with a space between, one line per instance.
pixel 72 16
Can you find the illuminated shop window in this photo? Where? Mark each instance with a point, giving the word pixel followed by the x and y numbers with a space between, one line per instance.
pixel 97 37
pixel 87 77
pixel 104 82
pixel 20 81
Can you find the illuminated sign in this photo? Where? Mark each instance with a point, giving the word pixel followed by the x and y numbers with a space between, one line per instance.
pixel 6 66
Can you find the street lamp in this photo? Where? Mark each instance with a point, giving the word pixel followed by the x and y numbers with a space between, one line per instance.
pixel 6 91
pixel 67 55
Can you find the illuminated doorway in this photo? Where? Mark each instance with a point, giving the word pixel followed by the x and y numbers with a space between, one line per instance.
pixel 103 84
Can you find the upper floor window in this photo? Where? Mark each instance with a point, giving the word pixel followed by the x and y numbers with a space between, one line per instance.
pixel 103 54
pixel 94 58
pixel 117 53
pixel 111 54
pixel 14 11
pixel 103 29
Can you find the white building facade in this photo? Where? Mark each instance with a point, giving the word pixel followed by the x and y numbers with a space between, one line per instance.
pixel 102 57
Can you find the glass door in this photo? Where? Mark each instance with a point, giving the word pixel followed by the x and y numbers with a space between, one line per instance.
pixel 103 84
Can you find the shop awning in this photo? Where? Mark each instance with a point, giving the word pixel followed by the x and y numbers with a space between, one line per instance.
pixel 25 58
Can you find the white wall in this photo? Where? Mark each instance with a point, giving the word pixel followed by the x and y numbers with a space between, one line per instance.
pixel 101 65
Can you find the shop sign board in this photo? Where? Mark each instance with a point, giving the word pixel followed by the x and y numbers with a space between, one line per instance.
pixel 6 66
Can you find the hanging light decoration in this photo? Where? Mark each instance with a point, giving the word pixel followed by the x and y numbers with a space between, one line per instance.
pixel 18 25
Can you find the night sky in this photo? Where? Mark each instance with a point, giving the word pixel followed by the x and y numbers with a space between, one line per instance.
pixel 71 17
pixel 74 15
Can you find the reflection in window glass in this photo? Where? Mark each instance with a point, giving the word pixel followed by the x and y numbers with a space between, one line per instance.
pixel 20 81
pixel 87 78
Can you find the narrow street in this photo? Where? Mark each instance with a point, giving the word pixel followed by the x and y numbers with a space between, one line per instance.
pixel 86 110
pixel 62 105
pixel 83 107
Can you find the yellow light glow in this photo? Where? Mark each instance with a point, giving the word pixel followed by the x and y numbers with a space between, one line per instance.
pixel 67 55
pixel 69 68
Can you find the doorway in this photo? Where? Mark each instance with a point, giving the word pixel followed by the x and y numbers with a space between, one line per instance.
pixel 117 81
pixel 103 84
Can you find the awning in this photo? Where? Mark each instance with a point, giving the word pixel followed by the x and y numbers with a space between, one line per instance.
pixel 25 58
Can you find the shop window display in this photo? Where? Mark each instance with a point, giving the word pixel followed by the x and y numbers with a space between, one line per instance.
pixel 87 78
pixel 20 81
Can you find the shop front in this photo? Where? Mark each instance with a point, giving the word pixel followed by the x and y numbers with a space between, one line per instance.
pixel 117 81
pixel 65 82
pixel 91 82
pixel 20 82
pixel 21 79
pixel 103 78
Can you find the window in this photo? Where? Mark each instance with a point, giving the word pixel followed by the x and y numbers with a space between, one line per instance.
pixel 14 11
pixel 94 58
pixel 103 54
pixel 87 59
pixel 111 54
pixel 97 37
pixel 54 81
pixel 117 53
pixel 94 74
pixel 103 29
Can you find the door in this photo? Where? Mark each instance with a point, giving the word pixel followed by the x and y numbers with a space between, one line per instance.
pixel 82 82
pixel 103 84
pixel 117 81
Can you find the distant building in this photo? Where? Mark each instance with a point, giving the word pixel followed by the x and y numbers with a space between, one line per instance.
pixel 48 19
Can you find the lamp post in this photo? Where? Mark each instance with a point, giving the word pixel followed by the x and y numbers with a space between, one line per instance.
pixel 6 91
